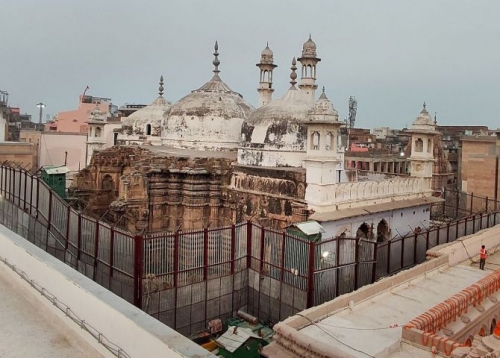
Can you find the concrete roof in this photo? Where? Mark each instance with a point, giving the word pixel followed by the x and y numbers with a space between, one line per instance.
pixel 119 324
pixel 30 329
pixel 370 209
pixel 369 322
pixel 365 328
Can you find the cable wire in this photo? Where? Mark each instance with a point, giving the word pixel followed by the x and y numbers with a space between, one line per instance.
pixel 101 338
pixel 331 335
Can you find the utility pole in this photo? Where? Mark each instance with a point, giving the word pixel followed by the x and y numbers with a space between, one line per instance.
pixel 41 106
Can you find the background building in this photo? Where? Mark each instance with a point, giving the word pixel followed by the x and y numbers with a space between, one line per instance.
pixel 478 166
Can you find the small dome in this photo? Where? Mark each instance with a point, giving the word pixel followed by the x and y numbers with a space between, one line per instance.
pixel 267 52
pixel 424 123
pixel 97 115
pixel 151 114
pixel 266 56
pixel 424 118
pixel 147 120
pixel 309 48
pixel 324 106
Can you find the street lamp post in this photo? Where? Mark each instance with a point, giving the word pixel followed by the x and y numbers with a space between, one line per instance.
pixel 41 106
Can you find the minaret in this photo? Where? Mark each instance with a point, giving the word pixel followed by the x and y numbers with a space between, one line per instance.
pixel 423 133
pixel 309 60
pixel 324 162
pixel 266 66
pixel 95 135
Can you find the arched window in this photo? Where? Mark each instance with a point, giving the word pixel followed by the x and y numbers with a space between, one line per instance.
pixel 429 145
pixel 328 141
pixel 363 231
pixel 419 145
pixel 98 132
pixel 107 183
pixel 382 231
pixel 315 141
pixel 493 325
pixel 148 129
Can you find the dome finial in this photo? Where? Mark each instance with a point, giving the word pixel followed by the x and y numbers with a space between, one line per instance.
pixel 216 61
pixel 424 105
pixel 160 89
pixel 435 118
pixel 293 75
pixel 323 95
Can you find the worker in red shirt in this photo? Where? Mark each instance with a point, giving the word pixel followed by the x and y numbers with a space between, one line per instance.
pixel 482 257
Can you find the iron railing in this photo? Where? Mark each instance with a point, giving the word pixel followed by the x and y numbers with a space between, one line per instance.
pixel 187 278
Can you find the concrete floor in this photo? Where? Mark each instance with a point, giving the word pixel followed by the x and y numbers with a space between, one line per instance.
pixel 28 328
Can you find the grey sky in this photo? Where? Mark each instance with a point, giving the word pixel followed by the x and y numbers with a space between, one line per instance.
pixel 391 55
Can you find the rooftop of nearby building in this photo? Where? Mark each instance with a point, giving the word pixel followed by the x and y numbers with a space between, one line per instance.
pixel 51 310
pixel 369 322
pixel 477 138
pixel 30 328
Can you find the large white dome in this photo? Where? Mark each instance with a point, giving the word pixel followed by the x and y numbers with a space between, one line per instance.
pixel 274 135
pixel 208 118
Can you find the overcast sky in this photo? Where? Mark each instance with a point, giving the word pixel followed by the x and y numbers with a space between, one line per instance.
pixel 390 55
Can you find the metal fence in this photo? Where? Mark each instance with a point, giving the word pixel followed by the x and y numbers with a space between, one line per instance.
pixel 459 204
pixel 187 278
pixel 99 251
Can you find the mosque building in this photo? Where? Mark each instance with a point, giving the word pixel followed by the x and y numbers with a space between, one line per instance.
pixel 212 159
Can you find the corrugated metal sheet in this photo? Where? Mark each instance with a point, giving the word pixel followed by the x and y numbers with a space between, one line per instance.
pixel 310 227
pixel 56 170
pixel 235 337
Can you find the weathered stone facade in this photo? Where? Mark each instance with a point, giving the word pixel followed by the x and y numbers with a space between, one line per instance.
pixel 157 189
pixel 147 190
pixel 273 197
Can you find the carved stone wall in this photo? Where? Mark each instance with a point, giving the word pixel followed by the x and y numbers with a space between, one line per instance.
pixel 272 196
pixel 146 191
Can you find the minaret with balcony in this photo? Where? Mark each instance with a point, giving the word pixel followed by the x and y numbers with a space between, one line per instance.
pixel 95 134
pixel 309 60
pixel 423 133
pixel 266 66
pixel 324 162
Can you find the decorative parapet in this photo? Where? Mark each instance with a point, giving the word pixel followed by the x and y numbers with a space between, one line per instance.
pixel 431 329
pixel 338 196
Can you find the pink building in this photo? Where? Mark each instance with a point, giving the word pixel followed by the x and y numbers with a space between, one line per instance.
pixel 75 121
